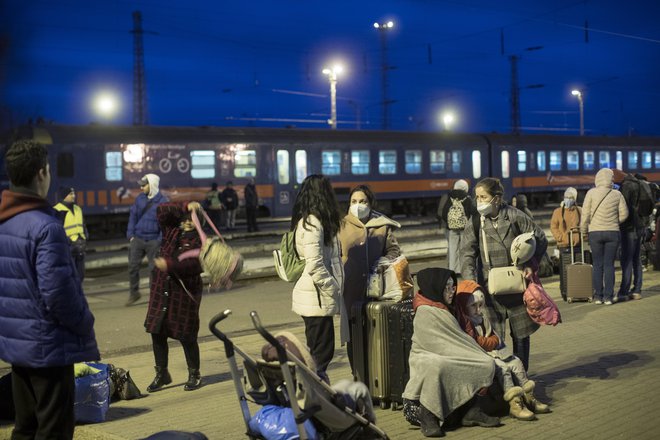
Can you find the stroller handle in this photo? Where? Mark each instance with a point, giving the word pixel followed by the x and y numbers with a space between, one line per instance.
pixel 229 346
pixel 281 351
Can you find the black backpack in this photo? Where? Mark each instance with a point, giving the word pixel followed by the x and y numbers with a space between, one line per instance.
pixel 646 200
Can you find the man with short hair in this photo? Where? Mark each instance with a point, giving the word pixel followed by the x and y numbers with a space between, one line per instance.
pixel 143 232
pixel 632 230
pixel 229 199
pixel 45 322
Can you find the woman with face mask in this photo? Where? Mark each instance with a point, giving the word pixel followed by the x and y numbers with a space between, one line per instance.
pixel 500 224
pixel 365 236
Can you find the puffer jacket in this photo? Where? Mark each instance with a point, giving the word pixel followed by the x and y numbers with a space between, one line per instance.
pixel 45 320
pixel 319 289
pixel 612 210
pixel 145 227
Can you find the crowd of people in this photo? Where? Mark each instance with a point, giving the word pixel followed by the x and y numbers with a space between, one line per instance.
pixel 458 349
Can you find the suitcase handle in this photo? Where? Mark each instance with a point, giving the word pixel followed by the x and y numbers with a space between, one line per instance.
pixel 570 239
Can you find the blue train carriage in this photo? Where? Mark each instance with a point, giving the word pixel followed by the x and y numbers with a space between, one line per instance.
pixel 542 167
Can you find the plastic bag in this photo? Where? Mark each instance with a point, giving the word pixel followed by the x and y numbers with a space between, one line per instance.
pixel 92 395
pixel 277 423
pixel 390 280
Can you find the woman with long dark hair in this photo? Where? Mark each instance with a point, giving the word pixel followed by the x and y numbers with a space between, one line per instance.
pixel 317 293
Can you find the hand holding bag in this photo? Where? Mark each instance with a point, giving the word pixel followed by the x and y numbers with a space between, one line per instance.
pixel 507 280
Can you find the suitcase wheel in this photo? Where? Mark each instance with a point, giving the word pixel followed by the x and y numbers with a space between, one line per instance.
pixel 590 300
pixel 396 406
pixel 384 404
pixel 570 300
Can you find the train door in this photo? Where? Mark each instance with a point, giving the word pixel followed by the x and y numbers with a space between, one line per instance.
pixel 291 168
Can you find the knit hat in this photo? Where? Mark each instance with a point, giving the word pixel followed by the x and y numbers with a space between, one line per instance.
pixel 570 193
pixel 461 185
pixel 64 191
pixel 433 281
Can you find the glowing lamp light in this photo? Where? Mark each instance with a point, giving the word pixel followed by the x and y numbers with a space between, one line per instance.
pixel 448 119
pixel 106 104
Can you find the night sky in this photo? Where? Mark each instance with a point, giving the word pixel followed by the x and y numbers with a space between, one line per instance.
pixel 258 63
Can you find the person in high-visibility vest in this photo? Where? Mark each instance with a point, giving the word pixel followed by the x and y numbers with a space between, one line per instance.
pixel 74 226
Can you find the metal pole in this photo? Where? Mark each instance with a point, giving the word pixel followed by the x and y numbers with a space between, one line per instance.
pixel 580 100
pixel 333 100
pixel 384 67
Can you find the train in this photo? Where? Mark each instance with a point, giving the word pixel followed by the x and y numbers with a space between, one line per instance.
pixel 409 171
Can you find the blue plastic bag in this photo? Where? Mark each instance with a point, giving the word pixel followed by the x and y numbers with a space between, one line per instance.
pixel 92 395
pixel 277 423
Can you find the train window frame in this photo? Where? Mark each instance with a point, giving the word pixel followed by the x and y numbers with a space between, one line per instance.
pixel 438 166
pixel 619 159
pixel 282 158
pixel 386 166
pixel 456 161
pixel 114 169
pixel 330 168
pixel 414 166
pixel 604 159
pixel 247 169
pixel 200 169
pixel 65 165
pixel 572 160
pixel 358 166
pixel 657 159
pixel 633 160
pixel 505 165
pixel 476 164
pixel 646 161
pixel 541 160
pixel 588 164
pixel 555 165
pixel 301 166
pixel 522 164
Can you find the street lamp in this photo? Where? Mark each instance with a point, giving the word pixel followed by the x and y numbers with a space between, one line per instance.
pixel 581 101
pixel 383 28
pixel 448 119
pixel 105 104
pixel 332 76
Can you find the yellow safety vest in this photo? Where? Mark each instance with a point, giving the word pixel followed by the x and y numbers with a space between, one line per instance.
pixel 73 222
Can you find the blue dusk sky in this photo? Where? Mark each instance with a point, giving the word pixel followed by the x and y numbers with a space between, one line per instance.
pixel 258 63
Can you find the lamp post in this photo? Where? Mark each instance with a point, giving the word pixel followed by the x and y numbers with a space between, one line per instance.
pixel 447 120
pixel 383 28
pixel 581 102
pixel 332 76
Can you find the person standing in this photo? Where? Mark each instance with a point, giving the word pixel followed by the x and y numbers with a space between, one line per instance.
pixel 317 295
pixel 604 209
pixel 143 232
pixel 632 233
pixel 456 213
pixel 251 205
pixel 214 205
pixel 564 222
pixel 74 226
pixel 45 322
pixel 229 199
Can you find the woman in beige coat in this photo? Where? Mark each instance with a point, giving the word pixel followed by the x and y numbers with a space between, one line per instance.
pixel 365 235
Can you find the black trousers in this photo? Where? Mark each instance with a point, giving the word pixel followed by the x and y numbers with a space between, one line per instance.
pixel 251 217
pixel 44 399
pixel 161 351
pixel 320 335
pixel 521 350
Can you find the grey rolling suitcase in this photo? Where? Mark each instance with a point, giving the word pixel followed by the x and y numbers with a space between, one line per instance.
pixel 579 283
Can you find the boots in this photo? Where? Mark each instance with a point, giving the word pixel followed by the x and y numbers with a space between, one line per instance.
pixel 430 423
pixel 531 402
pixel 194 380
pixel 162 378
pixel 514 396
pixel 476 417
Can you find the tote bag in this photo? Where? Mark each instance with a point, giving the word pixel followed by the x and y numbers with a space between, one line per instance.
pixel 390 280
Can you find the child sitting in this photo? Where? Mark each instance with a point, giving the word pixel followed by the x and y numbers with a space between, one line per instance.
pixel 510 370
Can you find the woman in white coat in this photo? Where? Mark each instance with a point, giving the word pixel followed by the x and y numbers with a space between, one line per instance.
pixel 317 293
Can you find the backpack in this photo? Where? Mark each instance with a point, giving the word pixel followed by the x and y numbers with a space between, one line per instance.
pixel 540 307
pixel 646 201
pixel 288 264
pixel 456 218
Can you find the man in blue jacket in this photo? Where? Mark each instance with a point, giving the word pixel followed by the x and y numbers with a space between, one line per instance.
pixel 45 322
pixel 143 232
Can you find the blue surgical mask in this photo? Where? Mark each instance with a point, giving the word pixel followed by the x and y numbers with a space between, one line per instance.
pixel 569 202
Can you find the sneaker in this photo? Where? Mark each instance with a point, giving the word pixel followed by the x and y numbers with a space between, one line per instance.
pixel 635 296
pixel 608 303
pixel 598 302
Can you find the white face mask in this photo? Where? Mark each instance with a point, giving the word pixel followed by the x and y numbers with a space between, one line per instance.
pixel 568 202
pixel 485 208
pixel 359 210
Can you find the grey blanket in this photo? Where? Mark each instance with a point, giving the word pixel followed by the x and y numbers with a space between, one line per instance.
pixel 447 367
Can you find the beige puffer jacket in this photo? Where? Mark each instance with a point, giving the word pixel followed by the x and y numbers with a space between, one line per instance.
pixel 612 210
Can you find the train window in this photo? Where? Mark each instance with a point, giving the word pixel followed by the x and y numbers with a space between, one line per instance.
pixel 632 160
pixel 522 161
pixel 588 160
pixel 572 161
pixel 540 160
pixel 301 165
pixel 456 160
pixel 245 163
pixel 657 159
pixel 438 162
pixel 203 164
pixel 113 169
pixel 282 167
pixel 413 161
pixel 387 161
pixel 476 164
pixel 505 164
pixel 604 159
pixel 331 162
pixel 360 161
pixel 555 160
pixel 646 160
pixel 65 165
pixel 619 160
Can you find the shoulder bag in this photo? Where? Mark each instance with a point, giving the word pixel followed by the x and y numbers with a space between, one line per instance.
pixel 507 280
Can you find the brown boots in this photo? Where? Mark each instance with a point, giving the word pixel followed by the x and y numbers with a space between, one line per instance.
pixel 517 409
pixel 531 402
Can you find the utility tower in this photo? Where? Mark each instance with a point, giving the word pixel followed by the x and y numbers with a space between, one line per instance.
pixel 515 96
pixel 139 86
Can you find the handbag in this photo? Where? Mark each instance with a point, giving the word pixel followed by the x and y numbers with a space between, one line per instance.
pixel 507 280
pixel 122 385
pixel 390 280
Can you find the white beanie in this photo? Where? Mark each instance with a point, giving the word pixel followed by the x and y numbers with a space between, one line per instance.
pixel 570 192
pixel 461 185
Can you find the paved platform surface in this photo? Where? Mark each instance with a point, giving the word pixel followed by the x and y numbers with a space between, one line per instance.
pixel 599 370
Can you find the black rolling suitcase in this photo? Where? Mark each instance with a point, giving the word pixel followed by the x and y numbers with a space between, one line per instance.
pixel 400 320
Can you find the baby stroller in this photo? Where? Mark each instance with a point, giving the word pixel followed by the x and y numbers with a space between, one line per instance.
pixel 290 383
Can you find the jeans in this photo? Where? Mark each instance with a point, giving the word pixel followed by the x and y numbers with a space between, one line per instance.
pixel 320 335
pixel 604 245
pixel 138 248
pixel 231 218
pixel 631 263
pixel 453 250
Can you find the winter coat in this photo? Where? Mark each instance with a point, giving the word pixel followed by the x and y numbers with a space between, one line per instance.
pixel 229 198
pixel 145 227
pixel 563 220
pixel 251 197
pixel 630 190
pixel 468 204
pixel 45 320
pixel 511 223
pixel 172 311
pixel 362 245
pixel 612 210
